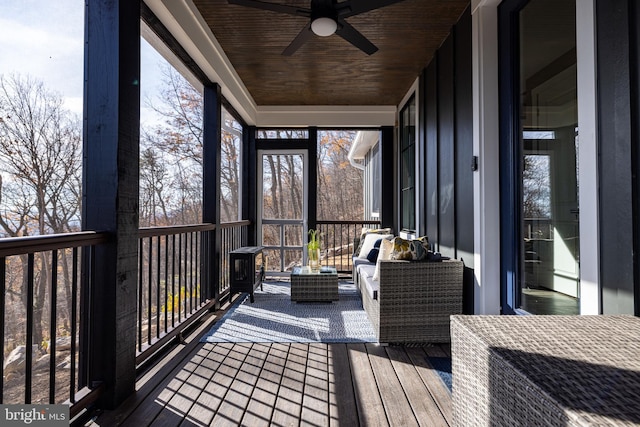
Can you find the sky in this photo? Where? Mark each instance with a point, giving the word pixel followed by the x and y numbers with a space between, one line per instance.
pixel 44 39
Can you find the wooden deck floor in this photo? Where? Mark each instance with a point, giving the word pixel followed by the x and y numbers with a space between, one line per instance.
pixel 287 384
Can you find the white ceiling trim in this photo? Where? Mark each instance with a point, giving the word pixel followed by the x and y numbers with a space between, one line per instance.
pixel 185 23
pixel 326 116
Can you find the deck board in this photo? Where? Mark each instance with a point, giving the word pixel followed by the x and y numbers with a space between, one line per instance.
pixel 315 401
pixel 398 410
pixel 437 389
pixel 260 406
pixel 292 384
pixel 368 400
pixel 424 406
pixel 342 401
pixel 289 399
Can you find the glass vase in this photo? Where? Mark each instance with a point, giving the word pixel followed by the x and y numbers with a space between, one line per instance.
pixel 313 259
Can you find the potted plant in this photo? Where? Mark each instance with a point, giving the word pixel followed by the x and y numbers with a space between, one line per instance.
pixel 313 250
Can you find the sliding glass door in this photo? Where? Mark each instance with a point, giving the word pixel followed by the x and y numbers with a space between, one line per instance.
pixel 539 145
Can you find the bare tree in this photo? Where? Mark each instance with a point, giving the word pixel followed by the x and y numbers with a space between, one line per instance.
pixel 230 150
pixel 153 179
pixel 181 105
pixel 340 184
pixel 536 186
pixel 39 150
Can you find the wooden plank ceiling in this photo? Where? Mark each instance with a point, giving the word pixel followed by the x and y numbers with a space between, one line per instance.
pixel 329 70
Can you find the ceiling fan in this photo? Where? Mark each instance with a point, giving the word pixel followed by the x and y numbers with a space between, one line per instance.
pixel 326 17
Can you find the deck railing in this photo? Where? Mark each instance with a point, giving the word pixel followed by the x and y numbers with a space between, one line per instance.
pixel 41 319
pixel 40 280
pixel 170 278
pixel 233 235
pixel 337 239
pixel 45 283
pixel 176 265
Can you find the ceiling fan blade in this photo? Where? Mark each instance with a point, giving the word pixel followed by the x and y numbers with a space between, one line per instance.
pixel 355 7
pixel 281 8
pixel 353 36
pixel 300 39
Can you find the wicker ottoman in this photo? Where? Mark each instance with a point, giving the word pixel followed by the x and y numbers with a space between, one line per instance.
pixel 546 370
pixel 307 286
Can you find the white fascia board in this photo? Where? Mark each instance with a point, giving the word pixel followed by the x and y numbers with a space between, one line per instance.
pixel 362 144
pixel 326 116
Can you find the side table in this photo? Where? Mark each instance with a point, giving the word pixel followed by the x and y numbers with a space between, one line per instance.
pixel 309 286
pixel 246 269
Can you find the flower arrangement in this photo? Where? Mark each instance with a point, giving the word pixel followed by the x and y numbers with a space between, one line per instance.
pixel 314 240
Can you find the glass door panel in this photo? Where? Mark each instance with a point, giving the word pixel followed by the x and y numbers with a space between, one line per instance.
pixel 283 209
pixel 549 256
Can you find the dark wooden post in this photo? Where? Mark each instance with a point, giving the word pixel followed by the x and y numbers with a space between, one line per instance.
pixel 387 202
pixel 110 193
pixel 250 182
pixel 312 198
pixel 211 153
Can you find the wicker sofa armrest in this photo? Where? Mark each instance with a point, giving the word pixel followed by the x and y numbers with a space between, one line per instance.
pixel 416 300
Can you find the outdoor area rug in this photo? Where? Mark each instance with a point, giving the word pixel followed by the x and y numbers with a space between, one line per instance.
pixel 442 365
pixel 273 317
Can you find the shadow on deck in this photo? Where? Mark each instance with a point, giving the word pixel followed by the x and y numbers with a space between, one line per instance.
pixel 318 384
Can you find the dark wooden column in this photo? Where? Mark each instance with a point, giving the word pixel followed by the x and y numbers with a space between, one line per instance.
pixel 211 153
pixel 387 176
pixel 250 182
pixel 312 197
pixel 110 193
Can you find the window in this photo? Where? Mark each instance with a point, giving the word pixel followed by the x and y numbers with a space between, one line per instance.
pixel 282 133
pixel 376 179
pixel 407 166
pixel 548 151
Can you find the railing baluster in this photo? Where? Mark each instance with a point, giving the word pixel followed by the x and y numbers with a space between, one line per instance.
pixel 157 285
pixel 52 326
pixel 180 277
pixel 166 280
pixel 74 319
pixel 173 281
pixel 29 337
pixel 199 265
pixel 191 273
pixel 3 293
pixel 149 288
pixel 140 289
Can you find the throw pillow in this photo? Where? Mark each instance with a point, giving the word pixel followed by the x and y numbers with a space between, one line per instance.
pixel 410 250
pixel 369 243
pixel 360 241
pixel 386 247
pixel 373 254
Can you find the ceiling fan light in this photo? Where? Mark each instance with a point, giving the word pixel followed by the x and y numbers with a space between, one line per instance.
pixel 324 27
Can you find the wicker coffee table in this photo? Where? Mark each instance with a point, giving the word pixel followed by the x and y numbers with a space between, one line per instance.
pixel 308 286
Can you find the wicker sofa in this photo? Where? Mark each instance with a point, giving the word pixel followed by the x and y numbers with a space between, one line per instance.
pixel 413 300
